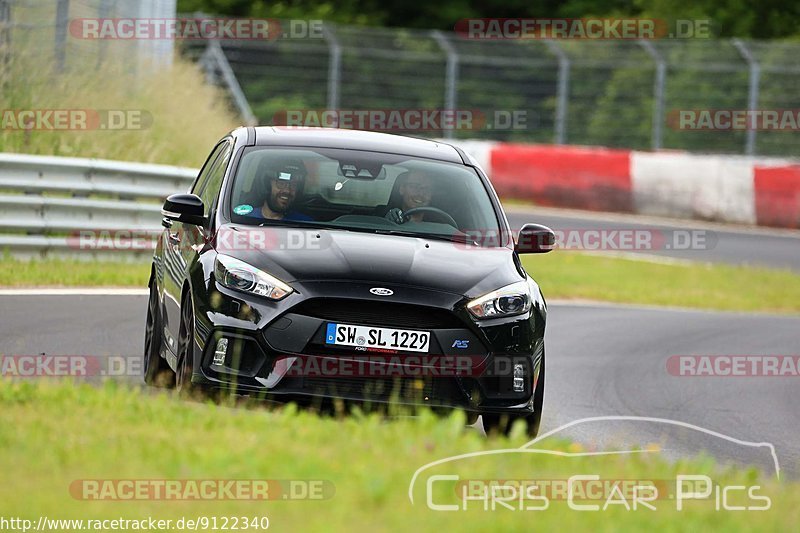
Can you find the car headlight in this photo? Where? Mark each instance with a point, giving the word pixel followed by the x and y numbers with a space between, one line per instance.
pixel 238 275
pixel 514 299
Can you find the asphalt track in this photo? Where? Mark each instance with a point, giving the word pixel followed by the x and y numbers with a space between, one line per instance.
pixel 602 360
pixel 722 243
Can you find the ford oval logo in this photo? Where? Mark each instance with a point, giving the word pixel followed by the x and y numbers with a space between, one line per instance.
pixel 379 291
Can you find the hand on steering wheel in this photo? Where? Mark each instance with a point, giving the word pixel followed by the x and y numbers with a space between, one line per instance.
pixel 433 210
pixel 395 215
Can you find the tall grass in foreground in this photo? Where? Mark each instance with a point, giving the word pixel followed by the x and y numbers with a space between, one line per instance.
pixel 52 436
pixel 188 115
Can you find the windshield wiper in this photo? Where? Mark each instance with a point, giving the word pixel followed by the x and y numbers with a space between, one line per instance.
pixel 298 224
pixel 455 237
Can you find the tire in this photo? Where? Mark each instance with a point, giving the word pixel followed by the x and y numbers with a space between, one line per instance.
pixel 502 423
pixel 185 367
pixel 155 369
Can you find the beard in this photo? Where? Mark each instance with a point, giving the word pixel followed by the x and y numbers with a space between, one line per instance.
pixel 275 205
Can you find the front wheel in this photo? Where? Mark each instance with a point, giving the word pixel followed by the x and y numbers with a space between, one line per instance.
pixel 502 423
pixel 155 370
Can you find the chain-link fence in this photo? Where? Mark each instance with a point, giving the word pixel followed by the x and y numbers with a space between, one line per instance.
pixel 618 93
pixel 46 34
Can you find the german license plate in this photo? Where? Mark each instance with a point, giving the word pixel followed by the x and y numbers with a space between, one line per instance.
pixel 372 337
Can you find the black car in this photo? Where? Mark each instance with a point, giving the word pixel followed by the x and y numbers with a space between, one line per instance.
pixel 315 263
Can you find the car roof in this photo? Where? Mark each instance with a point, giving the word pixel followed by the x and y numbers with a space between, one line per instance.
pixel 356 140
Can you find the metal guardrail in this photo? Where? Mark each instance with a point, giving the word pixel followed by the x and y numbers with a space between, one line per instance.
pixel 46 201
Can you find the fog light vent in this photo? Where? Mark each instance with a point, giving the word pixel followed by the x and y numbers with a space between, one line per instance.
pixel 519 374
pixel 222 351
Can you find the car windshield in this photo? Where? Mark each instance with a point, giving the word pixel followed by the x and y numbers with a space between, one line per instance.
pixel 362 191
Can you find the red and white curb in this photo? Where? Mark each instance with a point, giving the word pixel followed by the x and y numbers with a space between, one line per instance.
pixel 727 188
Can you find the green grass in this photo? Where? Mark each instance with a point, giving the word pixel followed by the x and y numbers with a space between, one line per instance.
pixel 188 115
pixel 72 273
pixel 56 433
pixel 704 286
pixel 560 274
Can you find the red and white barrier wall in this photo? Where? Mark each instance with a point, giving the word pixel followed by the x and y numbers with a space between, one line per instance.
pixel 764 191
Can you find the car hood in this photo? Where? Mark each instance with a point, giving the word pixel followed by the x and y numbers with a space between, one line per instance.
pixel 294 254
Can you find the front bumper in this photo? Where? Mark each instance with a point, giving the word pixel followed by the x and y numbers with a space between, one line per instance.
pixel 277 350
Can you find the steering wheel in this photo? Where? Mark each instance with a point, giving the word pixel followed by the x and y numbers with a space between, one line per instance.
pixel 435 210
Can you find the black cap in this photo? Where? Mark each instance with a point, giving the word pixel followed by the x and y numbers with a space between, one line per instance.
pixel 288 170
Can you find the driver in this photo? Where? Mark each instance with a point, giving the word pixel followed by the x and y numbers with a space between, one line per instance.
pixel 415 192
pixel 284 184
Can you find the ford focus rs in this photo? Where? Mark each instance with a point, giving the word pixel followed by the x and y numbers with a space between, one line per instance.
pixel 318 264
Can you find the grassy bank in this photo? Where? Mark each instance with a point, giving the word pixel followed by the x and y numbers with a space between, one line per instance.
pixel 178 116
pixel 72 273
pixel 56 434
pixel 560 274
pixel 702 286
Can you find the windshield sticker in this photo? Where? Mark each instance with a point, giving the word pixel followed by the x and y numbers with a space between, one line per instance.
pixel 243 209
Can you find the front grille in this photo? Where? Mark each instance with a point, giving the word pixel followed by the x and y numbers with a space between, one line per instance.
pixel 371 313
pixel 386 389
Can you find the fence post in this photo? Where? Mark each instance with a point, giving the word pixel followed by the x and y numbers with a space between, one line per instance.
pixel 451 76
pixel 214 59
pixel 161 51
pixel 103 12
pixel 562 91
pixel 62 20
pixel 334 67
pixel 5 37
pixel 752 92
pixel 656 137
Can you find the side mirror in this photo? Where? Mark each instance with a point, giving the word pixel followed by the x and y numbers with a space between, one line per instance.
pixel 187 208
pixel 535 239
